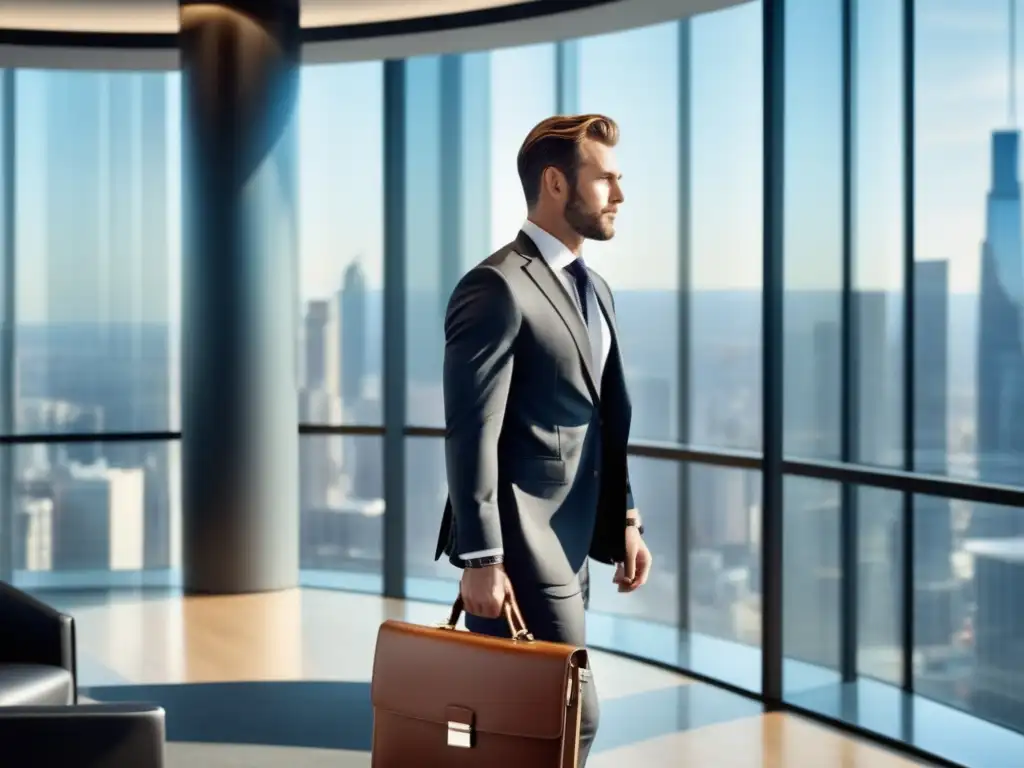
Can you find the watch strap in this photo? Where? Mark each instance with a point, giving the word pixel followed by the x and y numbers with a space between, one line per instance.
pixel 632 522
pixel 483 562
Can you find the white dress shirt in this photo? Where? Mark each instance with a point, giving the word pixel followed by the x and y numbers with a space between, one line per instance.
pixel 558 257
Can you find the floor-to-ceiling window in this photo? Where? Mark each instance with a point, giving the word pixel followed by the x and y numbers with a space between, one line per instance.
pixel 874 375
pixel 633 77
pixel 467 115
pixel 812 327
pixel 902 369
pixel 969 285
pixel 93 493
pixel 720 106
pixel 341 242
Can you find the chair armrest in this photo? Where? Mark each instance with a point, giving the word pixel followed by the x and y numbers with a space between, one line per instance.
pixel 31 632
pixel 85 736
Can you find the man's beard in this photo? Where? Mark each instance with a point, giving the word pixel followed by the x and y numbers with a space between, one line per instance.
pixel 586 223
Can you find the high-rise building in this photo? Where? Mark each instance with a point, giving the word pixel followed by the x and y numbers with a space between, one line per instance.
pixel 319 457
pixel 1000 401
pixel 96 521
pixel 996 692
pixel 352 309
pixel 812 555
pixel 315 333
pixel 811 524
pixel 937 604
pixel 875 397
pixel 363 462
pixel 875 401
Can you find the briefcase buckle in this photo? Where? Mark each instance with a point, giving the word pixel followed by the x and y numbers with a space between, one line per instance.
pixel 460 735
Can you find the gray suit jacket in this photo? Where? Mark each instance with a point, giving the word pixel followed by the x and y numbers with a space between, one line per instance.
pixel 535 446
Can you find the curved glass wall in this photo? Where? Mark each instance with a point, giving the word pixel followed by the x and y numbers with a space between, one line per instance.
pixel 901 353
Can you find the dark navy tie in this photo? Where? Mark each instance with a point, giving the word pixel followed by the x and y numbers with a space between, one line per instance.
pixel 581 277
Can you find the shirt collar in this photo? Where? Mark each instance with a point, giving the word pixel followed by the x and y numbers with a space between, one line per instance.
pixel 551 248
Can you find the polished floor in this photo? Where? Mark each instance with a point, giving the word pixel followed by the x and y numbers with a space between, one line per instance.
pixel 283 679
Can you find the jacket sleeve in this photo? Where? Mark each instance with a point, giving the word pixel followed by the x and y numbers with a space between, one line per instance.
pixel 481 326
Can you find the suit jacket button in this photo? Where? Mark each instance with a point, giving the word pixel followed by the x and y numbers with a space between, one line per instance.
pixel 596 473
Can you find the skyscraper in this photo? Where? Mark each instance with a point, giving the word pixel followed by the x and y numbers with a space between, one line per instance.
pixel 318 403
pixel 935 591
pixel 363 462
pixel 315 330
pixel 875 402
pixel 1000 390
pixel 352 355
pixel 811 526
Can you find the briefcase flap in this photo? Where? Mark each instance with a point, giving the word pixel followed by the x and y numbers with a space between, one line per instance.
pixel 516 689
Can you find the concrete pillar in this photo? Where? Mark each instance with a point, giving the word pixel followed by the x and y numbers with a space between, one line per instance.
pixel 239 296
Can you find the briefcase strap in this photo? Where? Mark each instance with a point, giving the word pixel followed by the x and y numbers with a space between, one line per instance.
pixel 516 624
pixel 573 718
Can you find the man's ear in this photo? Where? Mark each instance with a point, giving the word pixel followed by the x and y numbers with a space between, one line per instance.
pixel 554 181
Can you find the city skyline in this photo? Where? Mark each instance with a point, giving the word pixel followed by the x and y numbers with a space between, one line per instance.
pixel 961 80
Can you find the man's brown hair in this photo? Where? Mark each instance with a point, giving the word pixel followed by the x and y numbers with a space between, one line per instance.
pixel 556 142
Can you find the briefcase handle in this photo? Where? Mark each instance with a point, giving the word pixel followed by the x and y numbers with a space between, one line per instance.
pixel 516 624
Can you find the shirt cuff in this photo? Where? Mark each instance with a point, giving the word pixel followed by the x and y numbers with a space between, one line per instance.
pixel 482 553
pixel 482 558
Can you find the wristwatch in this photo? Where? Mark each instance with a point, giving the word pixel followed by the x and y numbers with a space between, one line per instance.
pixel 483 562
pixel 632 522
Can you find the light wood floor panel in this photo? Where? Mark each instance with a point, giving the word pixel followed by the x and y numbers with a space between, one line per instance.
pixel 292 635
pixel 188 755
pixel 767 741
pixel 324 635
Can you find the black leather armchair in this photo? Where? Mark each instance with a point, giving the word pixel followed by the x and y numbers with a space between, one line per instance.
pixel 86 736
pixel 40 721
pixel 37 652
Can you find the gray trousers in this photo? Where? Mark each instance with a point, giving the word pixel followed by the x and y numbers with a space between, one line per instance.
pixel 557 620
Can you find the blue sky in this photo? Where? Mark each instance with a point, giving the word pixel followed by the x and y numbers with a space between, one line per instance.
pixel 961 96
pixel 961 87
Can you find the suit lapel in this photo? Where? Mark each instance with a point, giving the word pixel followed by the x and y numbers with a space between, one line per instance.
pixel 553 289
pixel 604 300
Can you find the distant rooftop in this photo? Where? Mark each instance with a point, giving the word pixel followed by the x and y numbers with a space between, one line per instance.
pixel 1010 550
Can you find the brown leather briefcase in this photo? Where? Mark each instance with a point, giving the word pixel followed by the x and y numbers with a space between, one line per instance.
pixel 444 698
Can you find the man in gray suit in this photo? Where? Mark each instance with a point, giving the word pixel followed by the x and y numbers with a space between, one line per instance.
pixel 536 408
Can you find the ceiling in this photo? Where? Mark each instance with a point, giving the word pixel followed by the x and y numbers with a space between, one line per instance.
pixel 34 33
pixel 332 13
pixel 161 16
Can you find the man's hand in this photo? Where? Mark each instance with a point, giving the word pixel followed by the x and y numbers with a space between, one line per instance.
pixel 632 574
pixel 484 590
